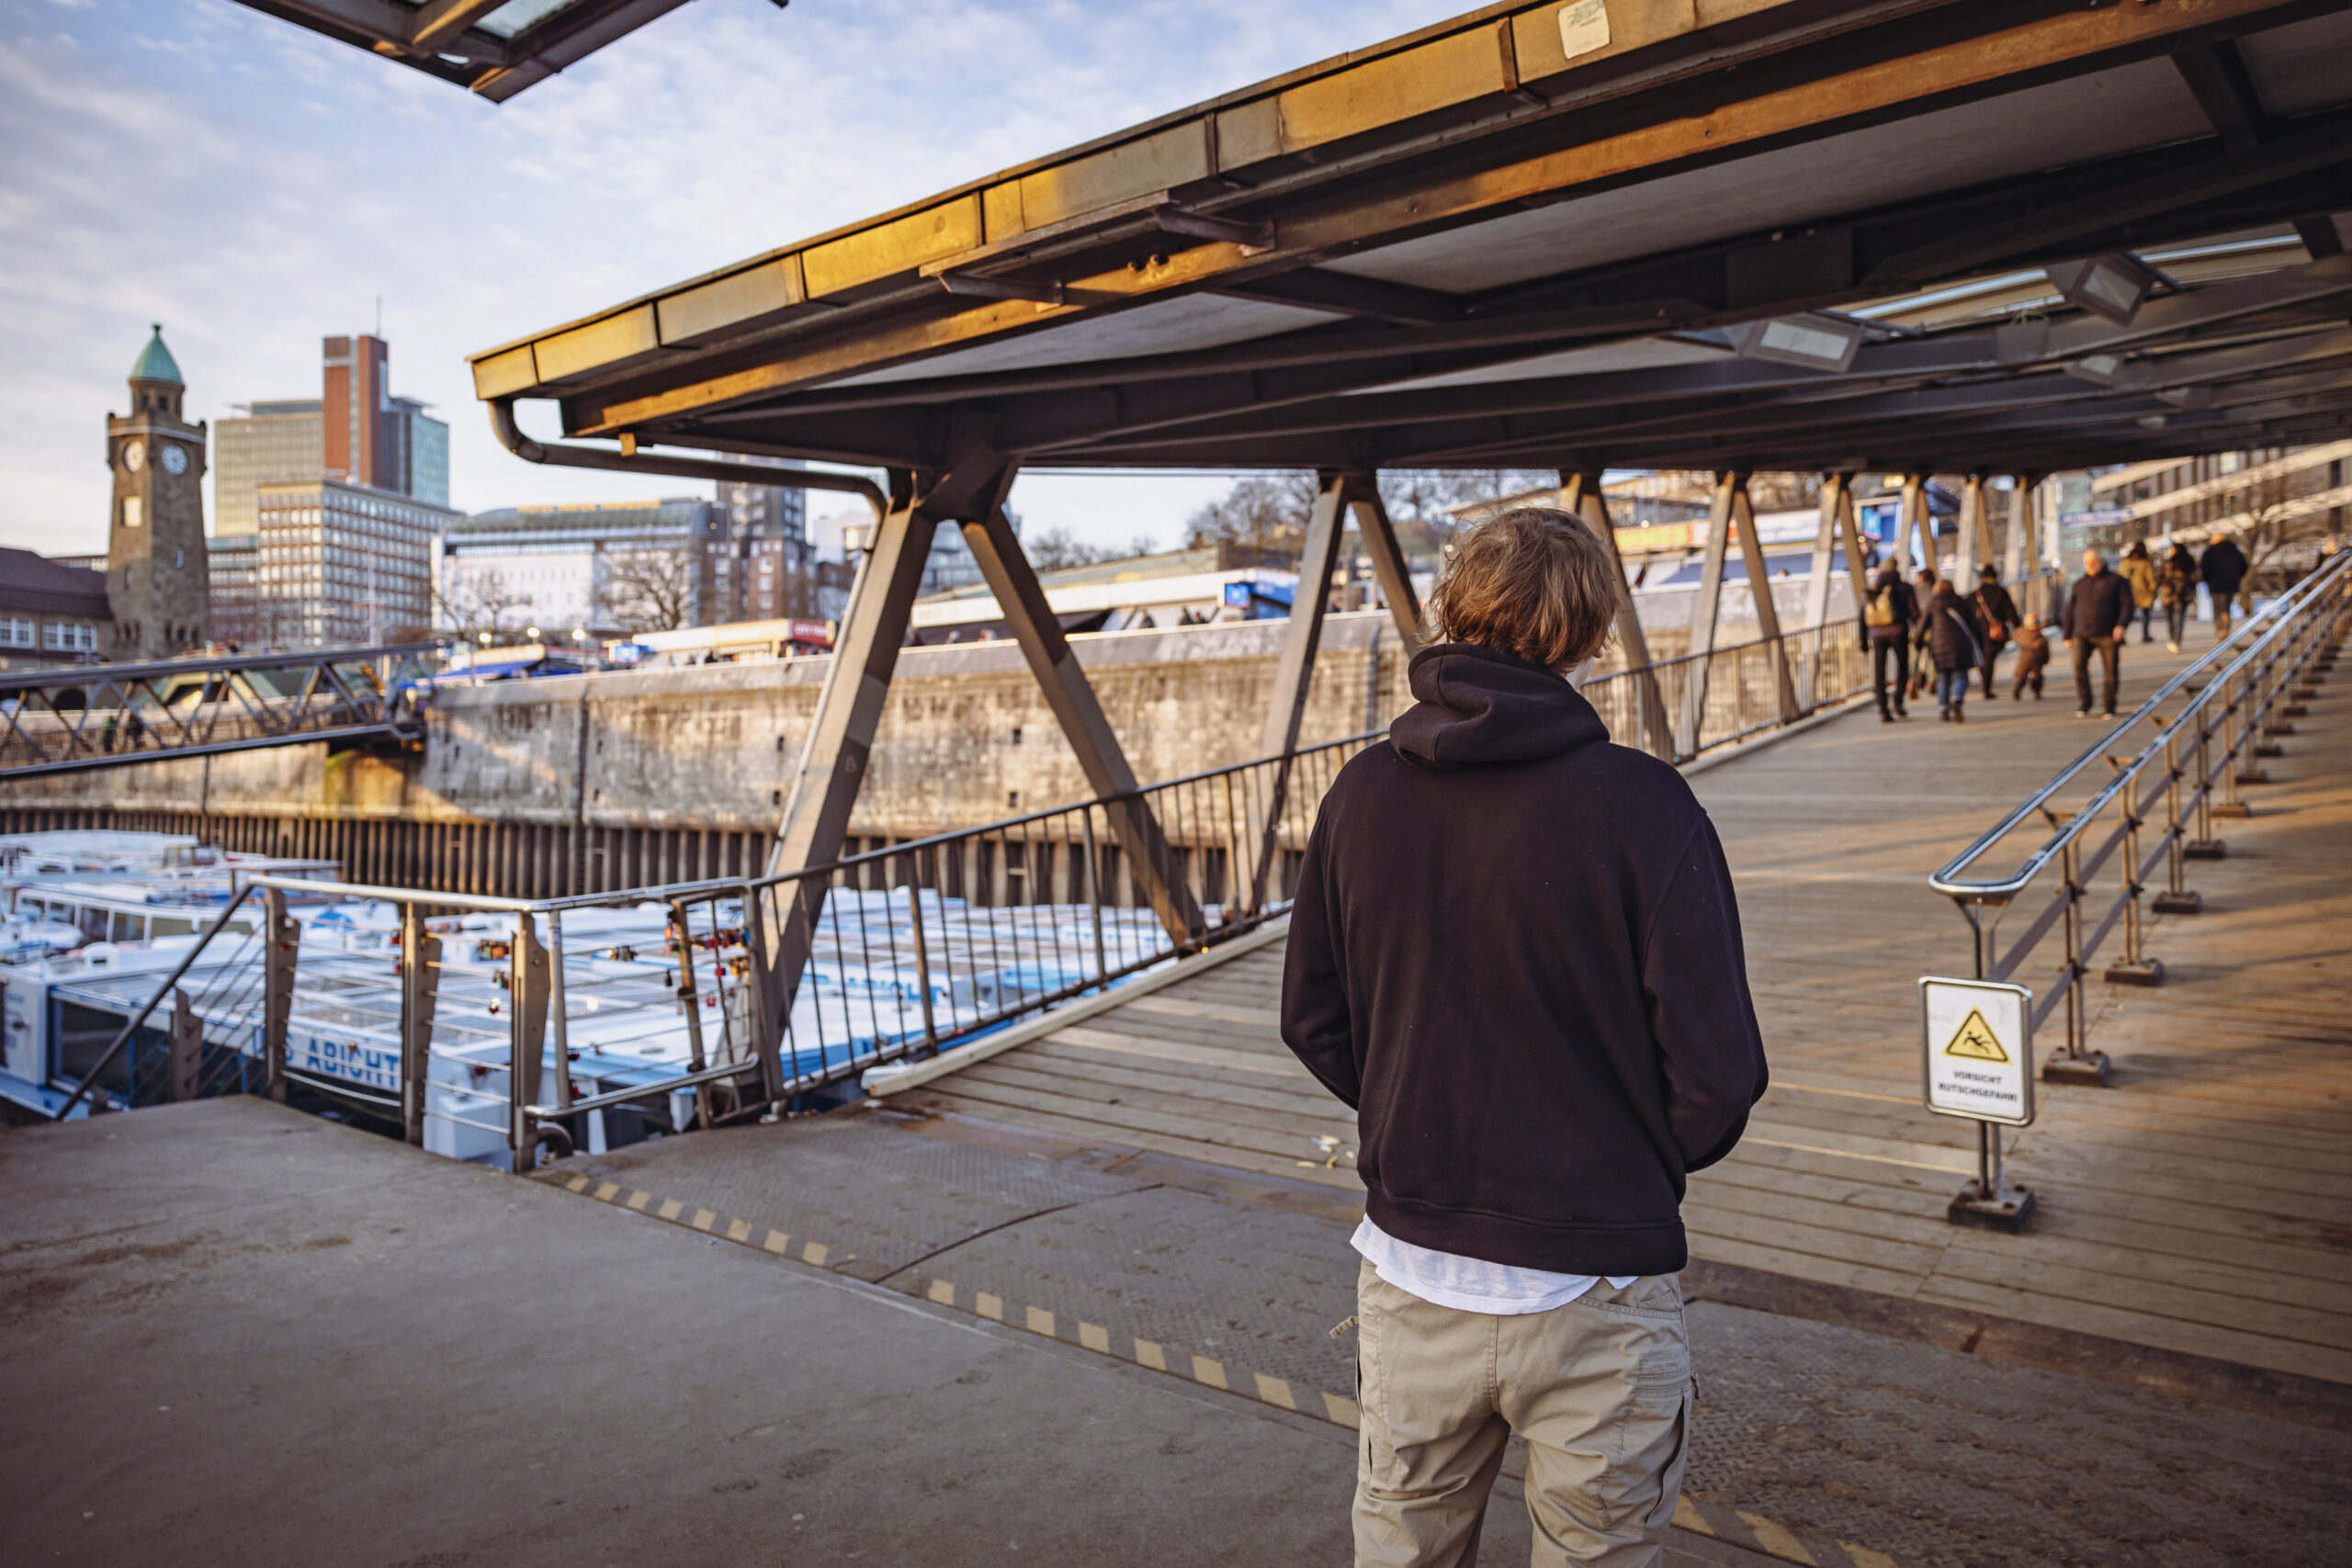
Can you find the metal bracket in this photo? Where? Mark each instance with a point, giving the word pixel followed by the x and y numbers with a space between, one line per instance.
pixel 1255 239
pixel 980 286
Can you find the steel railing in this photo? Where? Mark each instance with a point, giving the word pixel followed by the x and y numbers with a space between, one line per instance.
pixel 477 1021
pixel 2206 730
pixel 484 1025
pixel 103 716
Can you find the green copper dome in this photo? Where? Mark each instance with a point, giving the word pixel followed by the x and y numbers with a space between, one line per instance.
pixel 155 362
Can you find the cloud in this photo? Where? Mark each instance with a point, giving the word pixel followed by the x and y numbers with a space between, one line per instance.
pixel 256 188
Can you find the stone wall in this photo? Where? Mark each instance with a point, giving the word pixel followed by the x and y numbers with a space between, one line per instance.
pixel 966 739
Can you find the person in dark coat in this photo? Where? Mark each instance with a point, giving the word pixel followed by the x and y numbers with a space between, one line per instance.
pixel 2223 569
pixel 1923 669
pixel 1997 614
pixel 2033 657
pixel 1515 952
pixel 2098 612
pixel 2177 580
pixel 1890 610
pixel 1955 641
pixel 2140 573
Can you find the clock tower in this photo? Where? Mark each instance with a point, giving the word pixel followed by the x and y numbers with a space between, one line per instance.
pixel 157 585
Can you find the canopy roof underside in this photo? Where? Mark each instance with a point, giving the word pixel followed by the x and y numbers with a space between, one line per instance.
pixel 1466 248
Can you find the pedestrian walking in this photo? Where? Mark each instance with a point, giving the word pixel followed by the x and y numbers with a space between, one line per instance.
pixel 1543 1022
pixel 1923 669
pixel 2033 657
pixel 2223 569
pixel 2098 615
pixel 2140 573
pixel 1890 612
pixel 1997 613
pixel 1955 641
pixel 2177 582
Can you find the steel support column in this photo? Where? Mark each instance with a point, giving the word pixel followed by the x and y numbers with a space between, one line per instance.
pixel 1975 547
pixel 1580 493
pixel 1768 612
pixel 1287 705
pixel 1389 568
pixel 1837 531
pixel 1157 867
pixel 849 710
pixel 1917 525
pixel 1730 488
pixel 2014 551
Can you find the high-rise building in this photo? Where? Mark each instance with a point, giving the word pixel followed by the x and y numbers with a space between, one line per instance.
pixel 156 577
pixel 236 589
pixel 270 444
pixel 341 564
pixel 355 431
pixel 764 567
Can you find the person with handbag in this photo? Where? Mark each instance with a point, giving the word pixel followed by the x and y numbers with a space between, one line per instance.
pixel 1997 614
pixel 1955 641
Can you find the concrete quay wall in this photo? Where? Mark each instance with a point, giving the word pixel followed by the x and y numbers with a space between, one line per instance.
pixel 966 739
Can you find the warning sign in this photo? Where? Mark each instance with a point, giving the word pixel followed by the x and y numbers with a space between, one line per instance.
pixel 1978 1047
pixel 1977 1041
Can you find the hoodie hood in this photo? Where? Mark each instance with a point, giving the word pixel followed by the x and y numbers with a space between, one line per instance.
pixel 1478 707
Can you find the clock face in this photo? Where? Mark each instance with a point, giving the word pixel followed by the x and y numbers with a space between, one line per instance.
pixel 134 455
pixel 173 456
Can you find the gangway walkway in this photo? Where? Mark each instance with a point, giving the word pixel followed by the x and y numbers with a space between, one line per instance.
pixel 111 716
pixel 2194 1208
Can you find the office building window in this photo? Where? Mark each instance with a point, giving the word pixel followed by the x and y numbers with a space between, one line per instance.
pixel 67 636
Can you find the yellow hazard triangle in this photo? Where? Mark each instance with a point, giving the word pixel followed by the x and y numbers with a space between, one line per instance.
pixel 1975 1041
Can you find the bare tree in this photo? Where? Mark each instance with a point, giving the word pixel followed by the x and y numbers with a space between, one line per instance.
pixel 650 589
pixel 1058 550
pixel 1267 511
pixel 482 602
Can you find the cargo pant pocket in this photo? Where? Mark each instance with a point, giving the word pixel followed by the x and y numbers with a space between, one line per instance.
pixel 1678 1439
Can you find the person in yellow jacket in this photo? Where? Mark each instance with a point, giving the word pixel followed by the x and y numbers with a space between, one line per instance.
pixel 2140 573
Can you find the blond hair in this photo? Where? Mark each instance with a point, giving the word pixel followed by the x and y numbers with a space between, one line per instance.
pixel 1535 582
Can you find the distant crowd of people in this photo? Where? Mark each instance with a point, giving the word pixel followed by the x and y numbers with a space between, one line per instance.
pixel 1928 633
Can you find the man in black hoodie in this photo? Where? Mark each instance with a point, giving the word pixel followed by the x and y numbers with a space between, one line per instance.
pixel 1515 952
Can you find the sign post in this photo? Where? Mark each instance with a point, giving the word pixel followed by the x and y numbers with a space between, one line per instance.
pixel 1976 1043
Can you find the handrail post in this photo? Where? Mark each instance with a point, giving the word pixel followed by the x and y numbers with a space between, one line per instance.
pixel 2233 739
pixel 281 947
pixel 767 1032
pixel 682 943
pixel 563 1095
pixel 922 951
pixel 2176 898
pixel 1094 892
pixel 526 1007
pixel 420 984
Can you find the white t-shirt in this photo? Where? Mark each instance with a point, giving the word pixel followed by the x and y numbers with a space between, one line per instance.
pixel 1471 1284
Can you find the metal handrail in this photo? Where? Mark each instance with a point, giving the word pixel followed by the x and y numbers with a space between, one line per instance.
pixel 2278 613
pixel 106 1060
pixel 83 674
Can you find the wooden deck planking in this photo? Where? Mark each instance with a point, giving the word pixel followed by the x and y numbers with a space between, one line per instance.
pixel 2199 1206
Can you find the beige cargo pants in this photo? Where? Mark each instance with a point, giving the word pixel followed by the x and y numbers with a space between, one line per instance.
pixel 1600 1389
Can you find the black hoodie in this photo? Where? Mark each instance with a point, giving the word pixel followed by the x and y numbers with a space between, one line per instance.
pixel 1515 952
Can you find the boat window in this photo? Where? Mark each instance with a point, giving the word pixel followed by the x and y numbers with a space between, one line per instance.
pixel 170 925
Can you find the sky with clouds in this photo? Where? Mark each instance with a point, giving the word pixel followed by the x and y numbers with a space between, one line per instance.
pixel 256 187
